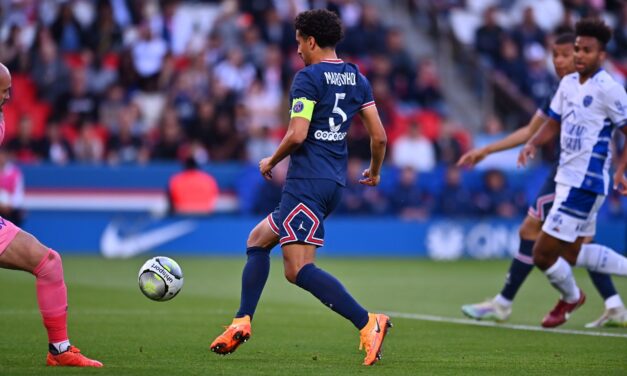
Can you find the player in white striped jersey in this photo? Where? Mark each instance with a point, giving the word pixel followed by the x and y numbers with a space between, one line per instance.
pixel 590 105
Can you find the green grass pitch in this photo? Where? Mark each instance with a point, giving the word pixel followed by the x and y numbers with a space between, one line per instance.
pixel 293 334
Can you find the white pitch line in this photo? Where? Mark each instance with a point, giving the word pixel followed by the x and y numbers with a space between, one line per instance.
pixel 450 320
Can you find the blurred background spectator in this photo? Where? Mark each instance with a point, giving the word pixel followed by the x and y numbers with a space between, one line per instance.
pixel 192 191
pixel 496 198
pixel 408 200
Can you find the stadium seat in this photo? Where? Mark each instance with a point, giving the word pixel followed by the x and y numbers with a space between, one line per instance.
pixel 38 112
pixel 23 90
pixel 11 118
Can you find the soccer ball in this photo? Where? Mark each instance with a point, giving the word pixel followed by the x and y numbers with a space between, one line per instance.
pixel 160 278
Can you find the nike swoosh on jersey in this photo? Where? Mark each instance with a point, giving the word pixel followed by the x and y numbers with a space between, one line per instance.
pixel 113 245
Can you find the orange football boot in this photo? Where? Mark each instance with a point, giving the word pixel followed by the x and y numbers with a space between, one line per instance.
pixel 71 358
pixel 235 334
pixel 372 336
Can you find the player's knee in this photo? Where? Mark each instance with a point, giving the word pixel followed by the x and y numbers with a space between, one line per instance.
pixel 252 239
pixel 35 252
pixel 291 274
pixel 261 237
pixel 255 238
pixel 570 257
pixel 530 229
pixel 50 268
pixel 540 258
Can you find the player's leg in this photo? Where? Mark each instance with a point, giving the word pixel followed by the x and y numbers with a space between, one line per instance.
pixel 522 264
pixel 255 274
pixel 25 252
pixel 615 314
pixel 600 260
pixel 304 205
pixel 298 261
pixel 260 242
pixel 546 254
pixel 562 235
pixel 499 308
pixel 571 219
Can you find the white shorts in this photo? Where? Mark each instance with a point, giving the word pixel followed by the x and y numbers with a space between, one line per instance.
pixel 573 214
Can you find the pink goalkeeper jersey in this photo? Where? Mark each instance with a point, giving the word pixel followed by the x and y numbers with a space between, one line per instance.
pixel 11 180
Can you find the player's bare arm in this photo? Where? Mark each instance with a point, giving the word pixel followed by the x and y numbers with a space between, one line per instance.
pixel 378 142
pixel 296 134
pixel 547 132
pixel 516 138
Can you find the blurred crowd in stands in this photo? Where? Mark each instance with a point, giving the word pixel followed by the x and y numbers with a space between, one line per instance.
pixel 134 81
pixel 510 43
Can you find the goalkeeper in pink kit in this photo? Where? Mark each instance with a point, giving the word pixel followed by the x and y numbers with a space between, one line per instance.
pixel 22 251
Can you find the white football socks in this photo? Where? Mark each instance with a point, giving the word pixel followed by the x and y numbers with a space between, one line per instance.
pixel 614 301
pixel 561 277
pixel 502 301
pixel 601 259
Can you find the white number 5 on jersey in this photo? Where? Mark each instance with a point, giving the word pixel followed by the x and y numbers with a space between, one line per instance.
pixel 337 110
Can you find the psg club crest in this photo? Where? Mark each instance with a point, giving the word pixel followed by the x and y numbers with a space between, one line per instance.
pixel 298 107
pixel 587 100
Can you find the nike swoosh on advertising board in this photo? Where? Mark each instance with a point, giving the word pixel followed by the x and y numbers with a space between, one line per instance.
pixel 113 245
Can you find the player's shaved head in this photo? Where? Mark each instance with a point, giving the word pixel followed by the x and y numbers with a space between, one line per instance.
pixel 5 75
pixel 5 84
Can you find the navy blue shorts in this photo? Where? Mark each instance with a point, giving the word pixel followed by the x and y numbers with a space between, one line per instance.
pixel 540 207
pixel 305 203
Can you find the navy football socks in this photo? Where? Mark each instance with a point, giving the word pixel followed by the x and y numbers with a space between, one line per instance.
pixel 518 270
pixel 331 293
pixel 254 277
pixel 603 284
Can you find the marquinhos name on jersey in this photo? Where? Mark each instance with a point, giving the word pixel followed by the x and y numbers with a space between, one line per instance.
pixel 589 113
pixel 340 79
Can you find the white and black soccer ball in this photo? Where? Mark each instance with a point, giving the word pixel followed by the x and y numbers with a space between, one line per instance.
pixel 160 278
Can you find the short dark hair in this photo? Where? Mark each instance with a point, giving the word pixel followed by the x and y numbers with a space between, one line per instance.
pixel 565 38
pixel 190 163
pixel 323 25
pixel 595 28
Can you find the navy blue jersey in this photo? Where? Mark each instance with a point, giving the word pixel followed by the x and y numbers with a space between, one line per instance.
pixel 338 91
pixel 545 108
pixel 546 103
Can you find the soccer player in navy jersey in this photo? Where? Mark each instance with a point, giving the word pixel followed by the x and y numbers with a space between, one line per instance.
pixel 324 97
pixel 499 308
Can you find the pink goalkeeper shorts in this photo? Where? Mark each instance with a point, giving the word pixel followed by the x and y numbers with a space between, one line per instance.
pixel 7 233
